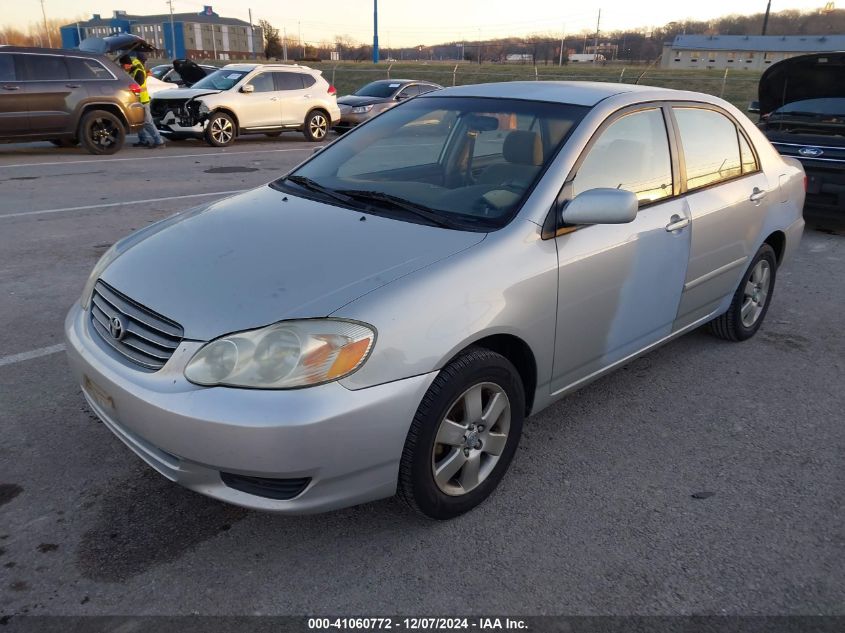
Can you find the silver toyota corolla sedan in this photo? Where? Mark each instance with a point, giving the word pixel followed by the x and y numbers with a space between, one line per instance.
pixel 382 319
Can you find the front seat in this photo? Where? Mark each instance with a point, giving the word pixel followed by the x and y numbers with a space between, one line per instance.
pixel 523 153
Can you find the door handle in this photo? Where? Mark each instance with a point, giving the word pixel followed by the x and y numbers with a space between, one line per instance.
pixel 8 87
pixel 676 223
pixel 306 96
pixel 274 98
pixel 757 194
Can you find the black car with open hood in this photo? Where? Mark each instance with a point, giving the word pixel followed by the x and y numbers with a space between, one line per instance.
pixel 802 112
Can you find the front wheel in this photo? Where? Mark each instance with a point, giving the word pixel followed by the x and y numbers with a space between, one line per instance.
pixel 220 130
pixel 101 132
pixel 316 126
pixel 750 301
pixel 463 435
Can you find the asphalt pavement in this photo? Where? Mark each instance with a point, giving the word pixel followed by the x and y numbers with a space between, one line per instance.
pixel 704 478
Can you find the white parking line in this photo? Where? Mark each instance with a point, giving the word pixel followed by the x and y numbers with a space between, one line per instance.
pixel 120 204
pixel 159 156
pixel 35 353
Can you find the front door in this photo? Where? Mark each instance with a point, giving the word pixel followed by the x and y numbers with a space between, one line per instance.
pixel 261 108
pixel 619 286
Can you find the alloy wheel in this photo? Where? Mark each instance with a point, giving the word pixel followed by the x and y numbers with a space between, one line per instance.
pixel 755 294
pixel 318 126
pixel 471 438
pixel 103 133
pixel 222 130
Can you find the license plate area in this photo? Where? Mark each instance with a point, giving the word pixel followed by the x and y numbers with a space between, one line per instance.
pixel 97 394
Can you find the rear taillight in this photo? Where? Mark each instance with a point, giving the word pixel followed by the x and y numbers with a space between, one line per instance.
pixel 805 183
pixel 332 90
pixel 135 89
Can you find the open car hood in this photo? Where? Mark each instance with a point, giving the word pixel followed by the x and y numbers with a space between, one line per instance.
pixel 122 42
pixel 188 70
pixel 804 77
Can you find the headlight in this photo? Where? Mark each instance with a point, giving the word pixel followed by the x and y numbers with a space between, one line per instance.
pixel 284 355
pixel 361 109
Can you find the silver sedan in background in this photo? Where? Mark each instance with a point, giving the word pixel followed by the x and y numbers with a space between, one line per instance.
pixel 383 318
pixel 377 97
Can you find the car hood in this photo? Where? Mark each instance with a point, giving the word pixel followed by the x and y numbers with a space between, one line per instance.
pixel 188 70
pixel 185 93
pixel 803 77
pixel 263 256
pixel 354 101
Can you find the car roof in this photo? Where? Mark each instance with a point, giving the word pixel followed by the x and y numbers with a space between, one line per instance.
pixel 50 51
pixel 251 67
pixel 403 81
pixel 586 93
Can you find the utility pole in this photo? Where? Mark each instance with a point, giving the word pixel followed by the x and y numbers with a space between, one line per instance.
pixel 285 43
pixel 301 45
pixel 252 36
pixel 375 31
pixel 173 34
pixel 765 18
pixel 46 30
pixel 562 44
pixel 596 47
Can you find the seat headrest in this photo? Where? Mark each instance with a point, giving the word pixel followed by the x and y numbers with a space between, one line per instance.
pixel 523 147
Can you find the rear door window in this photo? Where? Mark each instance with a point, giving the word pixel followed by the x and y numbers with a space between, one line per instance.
pixel 710 146
pixel 45 67
pixel 80 68
pixel 288 81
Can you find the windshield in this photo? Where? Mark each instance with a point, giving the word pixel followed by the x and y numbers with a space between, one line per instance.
pixel 464 161
pixel 222 79
pixel 380 89
pixel 160 71
pixel 829 106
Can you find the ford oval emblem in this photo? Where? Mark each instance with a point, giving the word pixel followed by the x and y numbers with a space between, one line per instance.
pixel 810 152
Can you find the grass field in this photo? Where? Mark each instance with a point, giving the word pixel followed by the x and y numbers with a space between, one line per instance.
pixel 739 87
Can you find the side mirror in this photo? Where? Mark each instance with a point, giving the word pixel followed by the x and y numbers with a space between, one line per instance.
pixel 601 206
pixel 754 107
pixel 248 88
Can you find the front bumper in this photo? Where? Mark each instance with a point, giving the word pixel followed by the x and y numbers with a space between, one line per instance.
pixel 825 185
pixel 347 443
pixel 171 124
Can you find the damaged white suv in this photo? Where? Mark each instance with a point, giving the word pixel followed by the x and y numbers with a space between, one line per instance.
pixel 245 99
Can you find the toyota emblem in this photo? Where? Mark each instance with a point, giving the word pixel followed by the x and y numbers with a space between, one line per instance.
pixel 116 329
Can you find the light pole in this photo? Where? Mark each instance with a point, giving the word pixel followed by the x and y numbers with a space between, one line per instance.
pixel 46 30
pixel 765 18
pixel 375 31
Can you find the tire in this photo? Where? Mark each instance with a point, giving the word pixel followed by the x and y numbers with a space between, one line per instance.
pixel 477 371
pixel 220 131
pixel 316 126
pixel 272 134
pixel 64 142
pixel 751 300
pixel 101 132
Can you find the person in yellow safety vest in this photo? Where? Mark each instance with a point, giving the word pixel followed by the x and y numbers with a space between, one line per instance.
pixel 148 136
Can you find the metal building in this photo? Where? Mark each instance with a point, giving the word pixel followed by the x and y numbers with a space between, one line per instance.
pixel 743 52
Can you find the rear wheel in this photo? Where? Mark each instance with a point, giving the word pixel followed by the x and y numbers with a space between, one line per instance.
pixel 220 130
pixel 750 301
pixel 101 132
pixel 316 126
pixel 463 436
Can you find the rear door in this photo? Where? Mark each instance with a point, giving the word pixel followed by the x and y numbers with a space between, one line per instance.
pixel 14 112
pixel 50 92
pixel 296 98
pixel 728 198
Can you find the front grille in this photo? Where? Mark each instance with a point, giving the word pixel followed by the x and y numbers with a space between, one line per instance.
pixel 159 107
pixel 137 333
pixel 279 489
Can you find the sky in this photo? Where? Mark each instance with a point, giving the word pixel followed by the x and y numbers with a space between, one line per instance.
pixel 411 22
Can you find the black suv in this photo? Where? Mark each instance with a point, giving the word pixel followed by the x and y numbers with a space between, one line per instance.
pixel 67 97
pixel 802 112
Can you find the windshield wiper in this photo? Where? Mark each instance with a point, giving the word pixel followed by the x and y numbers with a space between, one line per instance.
pixel 312 185
pixel 419 210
